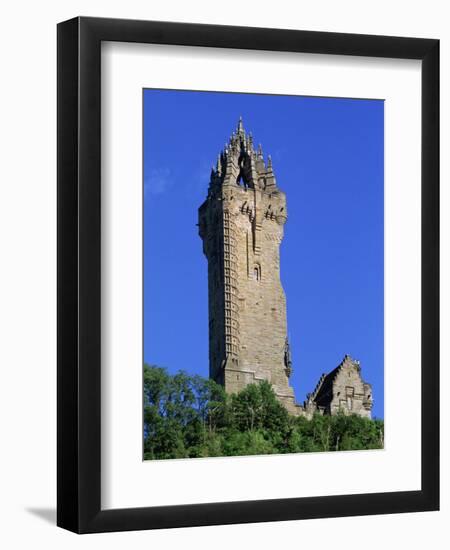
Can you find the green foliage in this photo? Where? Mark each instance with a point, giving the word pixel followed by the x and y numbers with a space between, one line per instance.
pixel 191 416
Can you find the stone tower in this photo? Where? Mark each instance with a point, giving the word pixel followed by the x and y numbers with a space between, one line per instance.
pixel 241 224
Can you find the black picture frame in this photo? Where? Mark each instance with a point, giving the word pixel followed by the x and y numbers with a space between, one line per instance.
pixel 79 276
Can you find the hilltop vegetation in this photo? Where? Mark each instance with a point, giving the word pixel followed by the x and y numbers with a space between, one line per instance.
pixel 191 416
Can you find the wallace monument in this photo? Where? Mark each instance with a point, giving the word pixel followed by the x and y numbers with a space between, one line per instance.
pixel 241 224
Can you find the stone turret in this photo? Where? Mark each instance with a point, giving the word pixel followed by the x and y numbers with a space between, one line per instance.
pixel 242 224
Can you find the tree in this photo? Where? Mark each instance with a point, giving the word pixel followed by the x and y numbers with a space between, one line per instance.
pixel 192 416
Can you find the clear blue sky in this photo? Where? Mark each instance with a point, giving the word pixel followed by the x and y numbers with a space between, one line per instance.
pixel 328 157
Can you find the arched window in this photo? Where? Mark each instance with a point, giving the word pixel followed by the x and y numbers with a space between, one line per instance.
pixel 257 272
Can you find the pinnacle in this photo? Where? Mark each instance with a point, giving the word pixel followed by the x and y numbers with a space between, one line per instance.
pixel 240 126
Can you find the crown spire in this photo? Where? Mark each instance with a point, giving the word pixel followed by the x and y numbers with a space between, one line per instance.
pixel 242 163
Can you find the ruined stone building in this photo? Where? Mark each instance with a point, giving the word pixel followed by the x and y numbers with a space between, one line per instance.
pixel 341 389
pixel 241 224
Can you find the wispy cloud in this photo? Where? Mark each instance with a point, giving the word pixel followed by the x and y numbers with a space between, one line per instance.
pixel 158 181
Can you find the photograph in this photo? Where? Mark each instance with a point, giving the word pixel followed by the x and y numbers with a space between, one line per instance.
pixel 227 251
pixel 263 274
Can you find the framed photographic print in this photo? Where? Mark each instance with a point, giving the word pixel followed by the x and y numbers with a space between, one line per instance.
pixel 248 274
